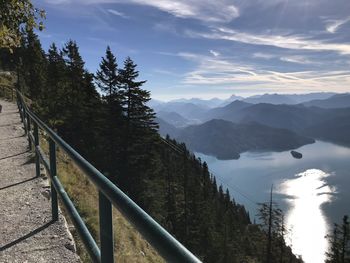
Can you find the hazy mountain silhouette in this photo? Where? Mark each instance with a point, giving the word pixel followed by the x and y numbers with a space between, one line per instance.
pixel 300 98
pixel 188 110
pixel 211 103
pixel 293 117
pixel 226 140
pixel 225 112
pixel 289 99
pixel 336 101
pixel 174 118
pixel 270 98
pixel 335 130
pixel 166 128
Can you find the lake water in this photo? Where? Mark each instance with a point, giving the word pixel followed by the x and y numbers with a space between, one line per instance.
pixel 313 191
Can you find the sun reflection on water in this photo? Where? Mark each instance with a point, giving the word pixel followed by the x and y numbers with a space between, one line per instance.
pixel 305 218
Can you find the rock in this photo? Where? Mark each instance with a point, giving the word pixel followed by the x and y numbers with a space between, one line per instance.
pixel 46 194
pixel 70 246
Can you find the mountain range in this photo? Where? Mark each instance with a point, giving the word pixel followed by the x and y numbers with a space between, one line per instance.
pixel 228 130
pixel 226 140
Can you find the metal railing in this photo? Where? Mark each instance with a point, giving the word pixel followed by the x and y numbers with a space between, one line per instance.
pixel 109 194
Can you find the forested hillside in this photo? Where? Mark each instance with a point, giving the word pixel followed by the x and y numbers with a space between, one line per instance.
pixel 117 132
pixel 227 140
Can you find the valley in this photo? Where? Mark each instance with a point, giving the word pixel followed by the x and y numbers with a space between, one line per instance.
pixel 252 124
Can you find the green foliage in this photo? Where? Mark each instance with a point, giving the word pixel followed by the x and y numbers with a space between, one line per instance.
pixel 14 16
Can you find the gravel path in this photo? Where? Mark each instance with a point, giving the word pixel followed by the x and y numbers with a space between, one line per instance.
pixel 26 231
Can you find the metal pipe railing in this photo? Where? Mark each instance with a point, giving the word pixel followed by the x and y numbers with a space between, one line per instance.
pixel 109 194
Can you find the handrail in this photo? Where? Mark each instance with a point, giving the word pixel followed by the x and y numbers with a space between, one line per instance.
pixel 167 246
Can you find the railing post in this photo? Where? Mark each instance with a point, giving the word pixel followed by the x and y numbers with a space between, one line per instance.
pixel 24 120
pixel 106 229
pixel 21 111
pixel 37 159
pixel 28 127
pixel 53 173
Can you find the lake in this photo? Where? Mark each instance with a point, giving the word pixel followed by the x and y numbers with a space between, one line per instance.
pixel 313 191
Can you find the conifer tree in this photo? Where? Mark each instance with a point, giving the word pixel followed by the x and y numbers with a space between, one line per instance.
pixel 54 103
pixel 139 128
pixel 80 96
pixel 108 79
pixel 35 65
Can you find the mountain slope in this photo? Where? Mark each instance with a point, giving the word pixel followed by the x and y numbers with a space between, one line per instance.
pixel 292 117
pixel 225 112
pixel 174 118
pixel 289 99
pixel 188 110
pixel 334 130
pixel 166 128
pixel 226 140
pixel 336 101
pixel 270 98
pixel 300 98
pixel 211 103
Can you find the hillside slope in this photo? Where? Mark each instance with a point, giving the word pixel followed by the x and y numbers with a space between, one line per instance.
pixel 336 101
pixel 226 140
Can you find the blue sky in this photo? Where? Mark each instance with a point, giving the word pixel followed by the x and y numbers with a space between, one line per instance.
pixel 212 48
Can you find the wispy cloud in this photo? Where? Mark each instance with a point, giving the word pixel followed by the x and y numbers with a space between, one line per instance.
pixel 166 72
pixel 297 59
pixel 287 41
pixel 117 13
pixel 263 55
pixel 219 11
pixel 220 72
pixel 214 53
pixel 332 26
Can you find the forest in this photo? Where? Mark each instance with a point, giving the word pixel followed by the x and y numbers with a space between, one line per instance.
pixel 106 118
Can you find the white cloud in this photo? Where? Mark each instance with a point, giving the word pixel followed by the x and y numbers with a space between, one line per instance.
pixel 297 59
pixel 263 55
pixel 117 13
pixel 214 53
pixel 287 41
pixel 219 11
pixel 206 10
pixel 220 72
pixel 332 26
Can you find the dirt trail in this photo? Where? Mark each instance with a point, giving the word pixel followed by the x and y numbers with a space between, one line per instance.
pixel 26 231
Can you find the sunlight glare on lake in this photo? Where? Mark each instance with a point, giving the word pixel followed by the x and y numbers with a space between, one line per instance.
pixel 305 218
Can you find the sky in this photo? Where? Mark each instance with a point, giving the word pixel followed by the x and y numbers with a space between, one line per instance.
pixel 212 48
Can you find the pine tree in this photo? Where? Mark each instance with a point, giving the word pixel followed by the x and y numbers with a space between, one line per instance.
pixel 107 79
pixel 54 102
pixel 271 218
pixel 35 67
pixel 81 96
pixel 139 131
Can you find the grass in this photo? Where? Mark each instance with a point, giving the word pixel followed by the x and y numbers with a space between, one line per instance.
pixel 129 244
